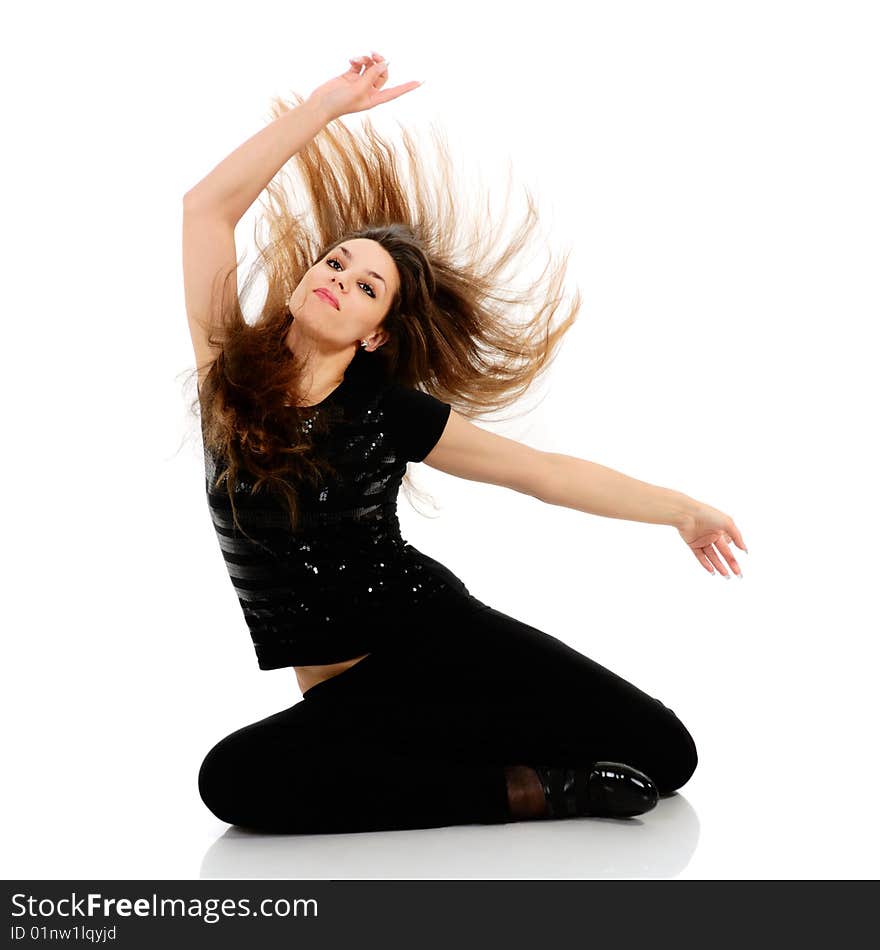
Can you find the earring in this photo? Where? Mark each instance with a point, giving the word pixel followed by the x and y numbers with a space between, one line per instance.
pixel 363 342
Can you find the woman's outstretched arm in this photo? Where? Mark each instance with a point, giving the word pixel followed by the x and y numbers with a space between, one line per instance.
pixel 468 451
pixel 598 490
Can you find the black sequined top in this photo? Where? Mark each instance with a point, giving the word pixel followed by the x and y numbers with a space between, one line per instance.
pixel 326 592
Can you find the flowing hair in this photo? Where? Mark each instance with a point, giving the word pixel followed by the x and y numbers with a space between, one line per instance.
pixel 455 326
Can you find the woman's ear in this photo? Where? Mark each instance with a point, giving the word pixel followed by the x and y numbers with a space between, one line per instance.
pixel 379 338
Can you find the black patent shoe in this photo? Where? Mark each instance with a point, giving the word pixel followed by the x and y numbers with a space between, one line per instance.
pixel 602 790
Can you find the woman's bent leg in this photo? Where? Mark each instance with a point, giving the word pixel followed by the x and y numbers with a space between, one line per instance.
pixel 310 770
pixel 539 700
pixel 425 732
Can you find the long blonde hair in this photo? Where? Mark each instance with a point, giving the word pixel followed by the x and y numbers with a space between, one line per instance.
pixel 453 327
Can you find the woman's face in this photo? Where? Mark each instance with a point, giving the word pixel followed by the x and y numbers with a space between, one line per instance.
pixel 362 277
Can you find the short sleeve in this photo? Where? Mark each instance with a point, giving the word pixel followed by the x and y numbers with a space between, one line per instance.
pixel 415 420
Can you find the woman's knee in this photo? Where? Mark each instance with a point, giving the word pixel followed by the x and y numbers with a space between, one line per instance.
pixel 679 761
pixel 227 781
pixel 248 781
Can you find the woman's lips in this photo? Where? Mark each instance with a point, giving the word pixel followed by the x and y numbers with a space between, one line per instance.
pixel 327 296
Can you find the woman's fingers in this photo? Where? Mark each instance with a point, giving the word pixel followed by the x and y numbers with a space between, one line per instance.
pixel 728 556
pixel 381 71
pixel 707 556
pixel 396 91
pixel 709 530
pixel 713 557
pixel 367 60
pixel 375 68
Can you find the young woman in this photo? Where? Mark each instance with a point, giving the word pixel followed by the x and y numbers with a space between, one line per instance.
pixel 422 706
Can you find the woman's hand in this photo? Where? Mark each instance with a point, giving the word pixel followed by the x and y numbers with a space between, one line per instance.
pixel 358 89
pixel 707 526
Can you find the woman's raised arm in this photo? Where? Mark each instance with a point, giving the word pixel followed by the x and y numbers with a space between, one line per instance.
pixel 235 184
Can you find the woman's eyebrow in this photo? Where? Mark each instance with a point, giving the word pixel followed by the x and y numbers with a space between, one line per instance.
pixel 372 273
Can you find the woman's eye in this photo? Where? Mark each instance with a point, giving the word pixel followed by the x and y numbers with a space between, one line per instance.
pixel 333 260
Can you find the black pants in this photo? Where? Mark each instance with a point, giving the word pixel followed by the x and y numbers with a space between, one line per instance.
pixel 417 734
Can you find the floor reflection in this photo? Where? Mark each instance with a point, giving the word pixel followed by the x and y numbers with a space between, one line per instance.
pixel 659 845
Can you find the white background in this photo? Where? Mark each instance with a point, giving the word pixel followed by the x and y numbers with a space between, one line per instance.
pixel 713 168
